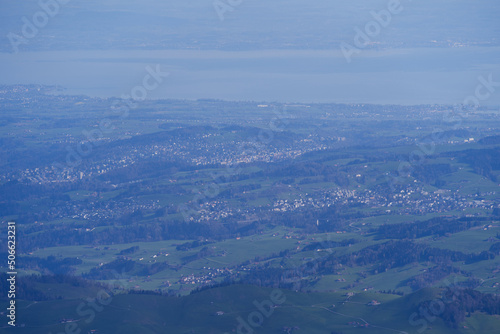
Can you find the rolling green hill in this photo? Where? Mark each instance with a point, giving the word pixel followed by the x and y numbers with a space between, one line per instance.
pixel 240 308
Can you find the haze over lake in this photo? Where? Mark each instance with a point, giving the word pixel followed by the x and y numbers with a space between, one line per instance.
pixel 399 76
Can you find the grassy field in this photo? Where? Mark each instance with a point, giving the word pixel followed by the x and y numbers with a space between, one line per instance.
pixel 231 253
pixel 226 254
pixel 316 313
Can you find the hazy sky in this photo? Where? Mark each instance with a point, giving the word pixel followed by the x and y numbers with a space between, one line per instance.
pixel 253 24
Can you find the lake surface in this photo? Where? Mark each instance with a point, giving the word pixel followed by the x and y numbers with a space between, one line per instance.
pixel 397 76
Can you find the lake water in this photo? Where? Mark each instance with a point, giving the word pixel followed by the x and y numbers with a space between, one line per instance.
pixel 398 76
